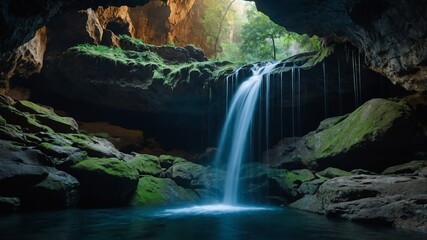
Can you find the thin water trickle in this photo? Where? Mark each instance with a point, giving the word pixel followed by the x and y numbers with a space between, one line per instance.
pixel 325 89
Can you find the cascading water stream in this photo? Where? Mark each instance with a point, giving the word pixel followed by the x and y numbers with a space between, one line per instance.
pixel 234 139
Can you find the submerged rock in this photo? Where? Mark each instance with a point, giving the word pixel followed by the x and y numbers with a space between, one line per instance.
pixel 105 181
pixel 8 204
pixel 152 190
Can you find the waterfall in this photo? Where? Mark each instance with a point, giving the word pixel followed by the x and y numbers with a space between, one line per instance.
pixel 235 134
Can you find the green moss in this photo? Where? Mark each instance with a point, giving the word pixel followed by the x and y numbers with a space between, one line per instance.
pixel 2 120
pixel 146 164
pixel 369 122
pixel 333 173
pixel 294 178
pixel 152 190
pixel 109 166
pixel 318 57
pixel 11 133
pixel 27 106
pixel 171 74
pixel 166 161
pixel 25 120
pixel 130 39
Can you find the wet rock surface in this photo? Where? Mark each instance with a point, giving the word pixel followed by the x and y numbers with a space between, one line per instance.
pixel 376 135
pixel 44 167
pixel 392 200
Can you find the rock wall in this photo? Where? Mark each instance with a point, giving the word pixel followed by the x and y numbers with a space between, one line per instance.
pixel 24 61
pixel 391 34
pixel 170 22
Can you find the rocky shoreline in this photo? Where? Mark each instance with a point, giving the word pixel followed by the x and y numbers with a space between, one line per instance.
pixel 47 164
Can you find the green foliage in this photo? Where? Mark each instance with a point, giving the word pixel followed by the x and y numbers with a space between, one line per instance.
pixel 265 40
pixel 260 35
pixel 248 35
pixel 228 30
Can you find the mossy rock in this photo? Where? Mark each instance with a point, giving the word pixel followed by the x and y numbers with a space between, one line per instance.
pixel 30 107
pixel 105 181
pixel 410 167
pixel 370 122
pixel 48 117
pixel 57 151
pixel 166 161
pixel 376 135
pixel 190 175
pixel 25 120
pixel 146 164
pixel 58 190
pixel 95 147
pixel 152 190
pixel 58 124
pixel 12 133
pixel 289 181
pixel 54 138
pixel 333 173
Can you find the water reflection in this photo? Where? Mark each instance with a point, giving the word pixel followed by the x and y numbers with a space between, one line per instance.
pixel 190 223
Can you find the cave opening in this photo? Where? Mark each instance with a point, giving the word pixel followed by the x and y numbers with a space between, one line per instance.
pixel 223 114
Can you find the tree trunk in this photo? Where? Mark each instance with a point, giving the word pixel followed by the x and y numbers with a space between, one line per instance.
pixel 220 27
pixel 274 48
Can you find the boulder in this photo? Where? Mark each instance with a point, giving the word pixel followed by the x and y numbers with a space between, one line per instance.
pixel 331 172
pixel 392 200
pixel 145 164
pixel 190 175
pixel 12 133
pixel 152 190
pixel 25 120
pixel 58 190
pixel 20 170
pixel 105 182
pixel 308 203
pixel 48 117
pixel 376 135
pixel 94 146
pixel 410 167
pixel 57 151
pixel 311 187
pixel 288 182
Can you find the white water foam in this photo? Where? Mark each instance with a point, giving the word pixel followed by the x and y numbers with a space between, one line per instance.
pixel 214 209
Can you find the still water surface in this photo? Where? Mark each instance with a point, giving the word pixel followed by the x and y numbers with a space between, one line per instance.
pixel 200 222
